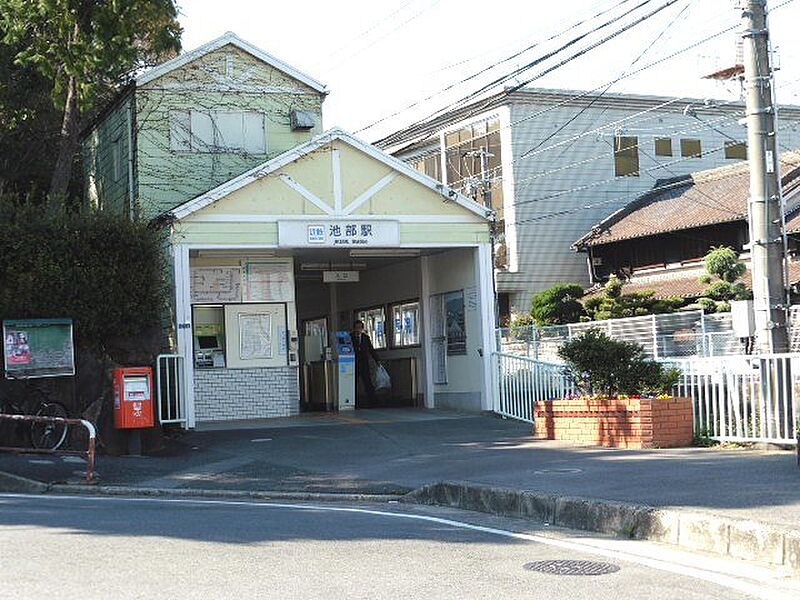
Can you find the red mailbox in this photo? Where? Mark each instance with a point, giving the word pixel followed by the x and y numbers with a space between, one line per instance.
pixel 133 398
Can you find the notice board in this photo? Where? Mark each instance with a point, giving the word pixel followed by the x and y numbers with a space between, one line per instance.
pixel 38 348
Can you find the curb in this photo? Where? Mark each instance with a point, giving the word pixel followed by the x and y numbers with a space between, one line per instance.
pixel 14 483
pixel 114 490
pixel 736 538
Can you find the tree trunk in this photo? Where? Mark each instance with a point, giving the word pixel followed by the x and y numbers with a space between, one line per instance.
pixel 68 144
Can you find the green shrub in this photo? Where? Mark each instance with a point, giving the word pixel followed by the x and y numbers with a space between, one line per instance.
pixel 602 365
pixel 557 305
pixel 104 272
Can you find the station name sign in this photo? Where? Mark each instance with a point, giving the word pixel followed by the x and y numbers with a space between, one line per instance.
pixel 339 233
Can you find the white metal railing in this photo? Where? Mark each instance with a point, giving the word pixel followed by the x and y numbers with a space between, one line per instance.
pixel 170 389
pixel 744 398
pixel 522 381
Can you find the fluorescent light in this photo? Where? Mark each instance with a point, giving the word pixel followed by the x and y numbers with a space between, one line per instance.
pixel 383 253
pixel 350 266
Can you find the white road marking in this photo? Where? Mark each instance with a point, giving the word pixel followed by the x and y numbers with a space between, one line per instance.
pixel 755 589
pixel 258 440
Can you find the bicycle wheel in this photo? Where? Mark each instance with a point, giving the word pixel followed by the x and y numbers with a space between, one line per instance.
pixel 49 436
pixel 7 427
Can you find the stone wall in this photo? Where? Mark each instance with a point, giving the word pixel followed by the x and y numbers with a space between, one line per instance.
pixel 617 422
pixel 227 394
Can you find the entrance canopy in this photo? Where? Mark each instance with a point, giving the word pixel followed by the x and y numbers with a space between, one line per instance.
pixel 333 191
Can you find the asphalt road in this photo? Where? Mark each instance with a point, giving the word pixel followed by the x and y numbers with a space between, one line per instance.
pixel 78 547
pixel 380 451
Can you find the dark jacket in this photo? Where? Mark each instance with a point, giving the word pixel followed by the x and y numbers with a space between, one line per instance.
pixel 363 348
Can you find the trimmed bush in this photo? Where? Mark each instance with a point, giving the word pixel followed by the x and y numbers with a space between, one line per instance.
pixel 104 272
pixel 602 365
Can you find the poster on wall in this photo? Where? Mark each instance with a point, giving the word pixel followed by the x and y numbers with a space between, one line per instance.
pixel 38 348
pixel 255 336
pixel 215 285
pixel 268 282
pixel 456 323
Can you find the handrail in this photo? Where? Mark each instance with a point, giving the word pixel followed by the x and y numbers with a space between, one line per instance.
pixel 90 428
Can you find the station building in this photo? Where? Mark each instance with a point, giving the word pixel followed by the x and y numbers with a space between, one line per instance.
pixel 282 235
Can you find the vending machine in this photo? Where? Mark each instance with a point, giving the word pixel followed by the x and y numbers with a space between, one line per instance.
pixel 346 371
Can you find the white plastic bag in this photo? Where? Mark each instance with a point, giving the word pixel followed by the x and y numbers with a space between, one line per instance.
pixel 382 379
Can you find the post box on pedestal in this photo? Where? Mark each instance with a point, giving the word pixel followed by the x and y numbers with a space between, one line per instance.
pixel 133 398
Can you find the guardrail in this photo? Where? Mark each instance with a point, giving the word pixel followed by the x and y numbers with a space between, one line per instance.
pixel 89 452
pixel 169 389
pixel 521 382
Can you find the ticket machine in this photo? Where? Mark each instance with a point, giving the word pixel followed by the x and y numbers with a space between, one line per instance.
pixel 346 371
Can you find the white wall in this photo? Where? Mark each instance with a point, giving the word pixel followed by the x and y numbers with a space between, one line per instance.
pixel 450 271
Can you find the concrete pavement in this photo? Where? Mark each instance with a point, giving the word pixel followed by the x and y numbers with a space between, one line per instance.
pixel 82 548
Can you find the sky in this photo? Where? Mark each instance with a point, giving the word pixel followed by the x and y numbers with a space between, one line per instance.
pixel 377 58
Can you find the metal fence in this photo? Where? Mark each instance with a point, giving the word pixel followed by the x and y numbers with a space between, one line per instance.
pixel 743 398
pixel 169 389
pixel 522 381
pixel 674 335
pixel 682 334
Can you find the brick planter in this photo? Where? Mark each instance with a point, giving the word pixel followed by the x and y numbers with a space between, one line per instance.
pixel 617 422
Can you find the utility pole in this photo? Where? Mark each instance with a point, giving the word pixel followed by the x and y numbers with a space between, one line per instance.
pixel 767 240
pixel 486 192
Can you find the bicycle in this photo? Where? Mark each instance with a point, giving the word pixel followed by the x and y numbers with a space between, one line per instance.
pixel 42 436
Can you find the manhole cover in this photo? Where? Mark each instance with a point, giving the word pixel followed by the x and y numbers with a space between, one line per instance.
pixel 571 567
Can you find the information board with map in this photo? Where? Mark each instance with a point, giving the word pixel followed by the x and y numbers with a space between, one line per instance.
pixel 216 285
pixel 38 348
pixel 255 336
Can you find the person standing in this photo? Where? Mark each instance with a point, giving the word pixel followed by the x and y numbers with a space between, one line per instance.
pixel 363 350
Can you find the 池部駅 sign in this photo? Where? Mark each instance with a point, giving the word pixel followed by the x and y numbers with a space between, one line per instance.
pixel 340 233
pixel 38 348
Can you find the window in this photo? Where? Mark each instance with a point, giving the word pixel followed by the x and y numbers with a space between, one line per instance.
pixel 405 318
pixel 374 325
pixel 116 159
pixel 626 156
pixel 736 150
pixel 691 148
pixel 217 131
pixel 431 165
pixel 464 163
pixel 663 147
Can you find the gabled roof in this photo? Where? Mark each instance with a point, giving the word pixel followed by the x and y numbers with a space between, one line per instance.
pixel 234 40
pixel 448 194
pixel 704 198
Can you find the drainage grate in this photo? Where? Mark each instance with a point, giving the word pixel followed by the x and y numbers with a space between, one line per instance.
pixel 571 567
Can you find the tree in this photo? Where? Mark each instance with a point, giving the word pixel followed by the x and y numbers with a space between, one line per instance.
pixel 611 303
pixel 723 273
pixel 557 305
pixel 29 126
pixel 602 365
pixel 85 48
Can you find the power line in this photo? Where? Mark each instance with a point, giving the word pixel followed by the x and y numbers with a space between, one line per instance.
pixel 499 81
pixel 490 67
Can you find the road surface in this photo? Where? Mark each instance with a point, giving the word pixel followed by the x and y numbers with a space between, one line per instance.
pixel 104 547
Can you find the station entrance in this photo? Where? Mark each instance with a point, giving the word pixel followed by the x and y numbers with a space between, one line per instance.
pixel 274 267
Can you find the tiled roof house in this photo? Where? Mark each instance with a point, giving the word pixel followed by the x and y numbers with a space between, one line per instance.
pixel 658 241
